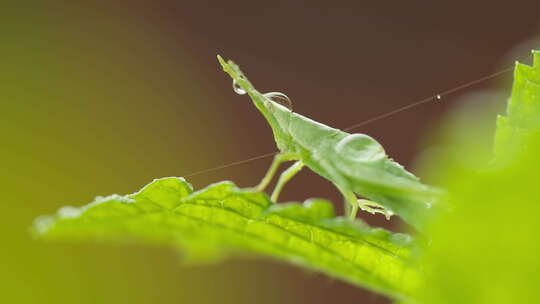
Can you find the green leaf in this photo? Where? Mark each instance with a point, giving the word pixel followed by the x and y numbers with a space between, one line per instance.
pixel 223 219
pixel 523 112
pixel 485 247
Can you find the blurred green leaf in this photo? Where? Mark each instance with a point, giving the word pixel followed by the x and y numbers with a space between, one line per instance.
pixel 523 120
pixel 485 246
pixel 224 219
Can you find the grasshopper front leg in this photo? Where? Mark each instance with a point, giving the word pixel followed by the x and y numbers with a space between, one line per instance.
pixel 278 160
pixel 285 177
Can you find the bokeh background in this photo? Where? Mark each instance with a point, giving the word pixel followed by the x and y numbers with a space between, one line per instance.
pixel 102 97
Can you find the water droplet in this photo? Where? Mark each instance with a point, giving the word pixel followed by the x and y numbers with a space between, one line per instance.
pixel 43 223
pixel 69 212
pixel 438 96
pixel 276 96
pixel 237 89
pixel 388 214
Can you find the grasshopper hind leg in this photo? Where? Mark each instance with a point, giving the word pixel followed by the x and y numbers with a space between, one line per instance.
pixel 353 203
pixel 373 207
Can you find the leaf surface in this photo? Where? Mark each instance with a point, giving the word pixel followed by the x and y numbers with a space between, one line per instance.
pixel 523 112
pixel 223 219
pixel 485 247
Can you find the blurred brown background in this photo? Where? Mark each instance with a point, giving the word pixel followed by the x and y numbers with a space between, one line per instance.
pixel 102 97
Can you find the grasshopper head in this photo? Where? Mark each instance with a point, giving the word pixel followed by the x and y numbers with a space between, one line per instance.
pixel 277 115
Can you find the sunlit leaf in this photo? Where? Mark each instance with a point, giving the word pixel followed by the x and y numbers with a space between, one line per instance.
pixel 223 219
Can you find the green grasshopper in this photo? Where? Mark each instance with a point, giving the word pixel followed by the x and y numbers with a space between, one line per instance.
pixel 355 163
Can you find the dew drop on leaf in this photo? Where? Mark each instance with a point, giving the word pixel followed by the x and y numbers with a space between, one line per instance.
pixel 237 89
pixel 278 97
